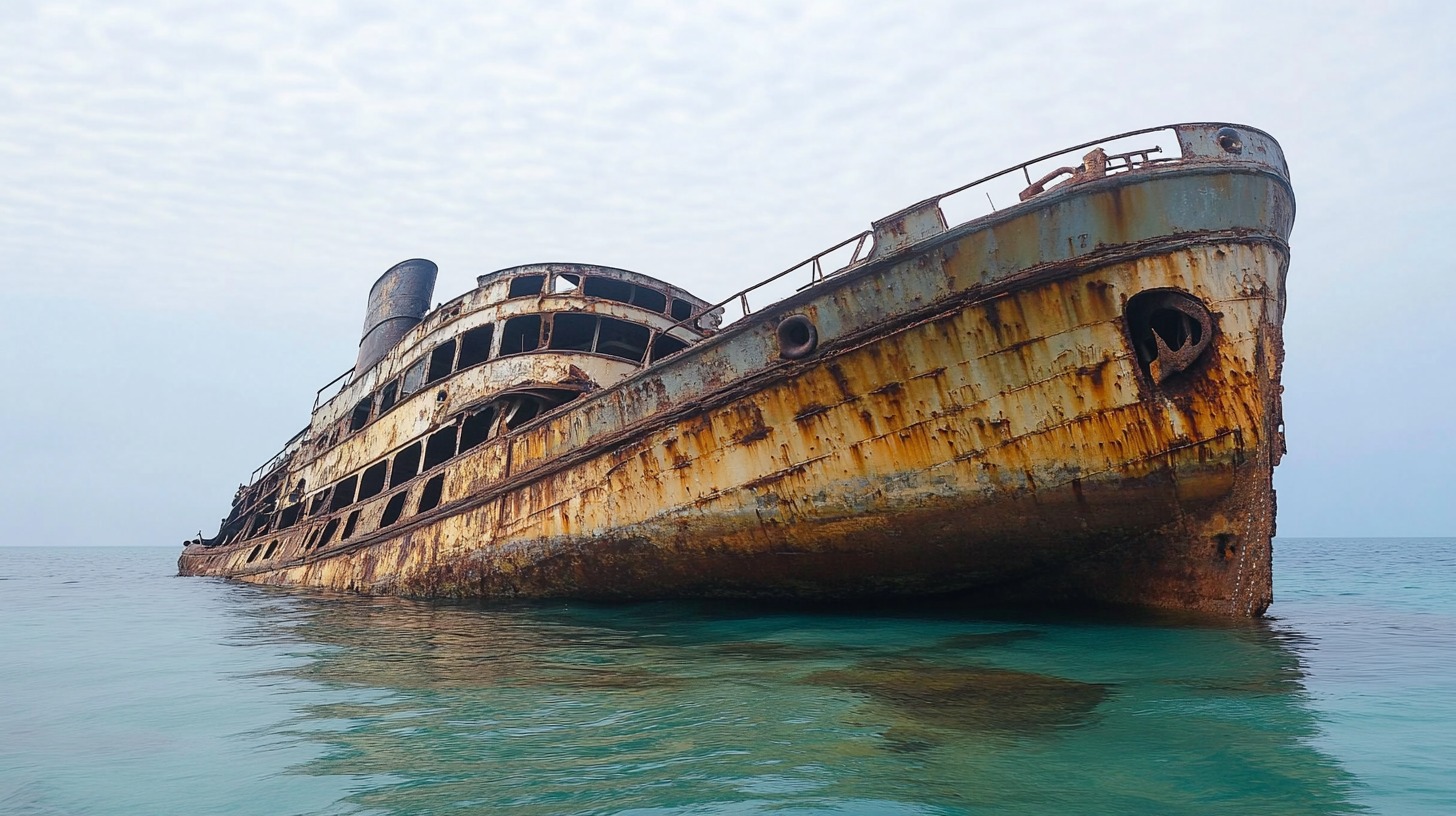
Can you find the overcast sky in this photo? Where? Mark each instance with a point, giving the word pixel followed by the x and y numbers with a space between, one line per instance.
pixel 195 198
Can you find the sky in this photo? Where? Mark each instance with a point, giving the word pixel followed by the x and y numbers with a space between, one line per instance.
pixel 195 198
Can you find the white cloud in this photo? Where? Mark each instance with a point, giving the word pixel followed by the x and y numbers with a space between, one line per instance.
pixel 263 162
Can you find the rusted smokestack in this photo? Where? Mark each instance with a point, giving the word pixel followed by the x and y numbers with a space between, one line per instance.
pixel 397 303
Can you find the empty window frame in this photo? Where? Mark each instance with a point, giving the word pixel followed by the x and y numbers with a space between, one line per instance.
pixel 564 283
pixel 525 410
pixel 431 493
pixel 313 538
pixel 406 464
pixel 272 546
pixel 414 377
pixel 289 516
pixel 371 482
pixel 440 447
pixel 521 334
pixel 350 525
pixel 476 428
pixel 360 416
pixel 681 309
pixel 624 292
pixel 666 346
pixel 260 524
pixel 573 332
pixel 388 396
pixel 329 530
pixel 442 362
pixel 253 556
pixel 608 289
pixel 475 346
pixel 318 502
pixel 618 338
pixel 393 509
pixel 344 493
pixel 526 285
pixel 649 299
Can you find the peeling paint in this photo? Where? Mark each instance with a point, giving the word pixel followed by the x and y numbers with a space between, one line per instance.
pixel 1073 399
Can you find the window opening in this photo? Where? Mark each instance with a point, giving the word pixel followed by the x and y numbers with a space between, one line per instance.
pixel 393 510
pixel 329 530
pixel 476 428
pixel 268 553
pixel 563 283
pixel 318 502
pixel 430 495
pixel 650 299
pixel 389 396
pixel 253 556
pixel 440 447
pixel 619 338
pixel 260 524
pixel 573 332
pixel 475 346
pixel 406 464
pixel 442 360
pixel 344 493
pixel 290 516
pixel 526 285
pixel 360 417
pixel 313 538
pixel 666 346
pixel 521 334
pixel 371 483
pixel 527 409
pixel 414 377
pixel 681 309
pixel 608 289
pixel 350 525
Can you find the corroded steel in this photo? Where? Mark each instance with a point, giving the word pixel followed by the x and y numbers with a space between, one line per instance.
pixel 397 303
pixel 1076 398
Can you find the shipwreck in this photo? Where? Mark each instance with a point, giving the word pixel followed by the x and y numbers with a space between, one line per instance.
pixel 1072 398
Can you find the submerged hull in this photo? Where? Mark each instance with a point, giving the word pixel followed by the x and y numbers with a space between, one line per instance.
pixel 975 415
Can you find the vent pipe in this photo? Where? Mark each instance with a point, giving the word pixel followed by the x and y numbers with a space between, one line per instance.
pixel 398 302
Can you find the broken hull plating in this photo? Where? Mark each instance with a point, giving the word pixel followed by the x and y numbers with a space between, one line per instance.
pixel 975 418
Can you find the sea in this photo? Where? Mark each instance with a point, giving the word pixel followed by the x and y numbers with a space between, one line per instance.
pixel 127 690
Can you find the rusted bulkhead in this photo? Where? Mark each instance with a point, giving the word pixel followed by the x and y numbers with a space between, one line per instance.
pixel 1076 398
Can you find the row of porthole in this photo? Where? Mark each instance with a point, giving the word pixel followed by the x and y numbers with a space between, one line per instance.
pixel 321 537
pixel 424 453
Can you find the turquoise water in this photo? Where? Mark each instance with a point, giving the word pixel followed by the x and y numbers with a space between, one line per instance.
pixel 129 691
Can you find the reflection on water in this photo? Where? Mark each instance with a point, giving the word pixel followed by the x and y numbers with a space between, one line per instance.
pixel 972 699
pixel 660 708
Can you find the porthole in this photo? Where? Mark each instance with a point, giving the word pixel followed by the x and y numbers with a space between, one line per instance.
pixel 797 337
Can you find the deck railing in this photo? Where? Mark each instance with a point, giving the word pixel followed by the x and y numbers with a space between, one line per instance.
pixel 1121 162
pixel 276 459
pixel 318 395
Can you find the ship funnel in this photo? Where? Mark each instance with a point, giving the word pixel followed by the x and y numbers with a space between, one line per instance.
pixel 397 303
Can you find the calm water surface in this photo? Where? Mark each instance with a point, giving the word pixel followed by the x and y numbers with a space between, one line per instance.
pixel 126 690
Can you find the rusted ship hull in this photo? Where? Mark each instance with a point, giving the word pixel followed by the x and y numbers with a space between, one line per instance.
pixel 974 414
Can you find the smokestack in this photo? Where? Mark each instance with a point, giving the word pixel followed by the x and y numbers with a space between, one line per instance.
pixel 398 302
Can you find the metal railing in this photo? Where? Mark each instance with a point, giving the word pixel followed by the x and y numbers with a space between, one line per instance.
pixel 1116 163
pixel 320 392
pixel 276 459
